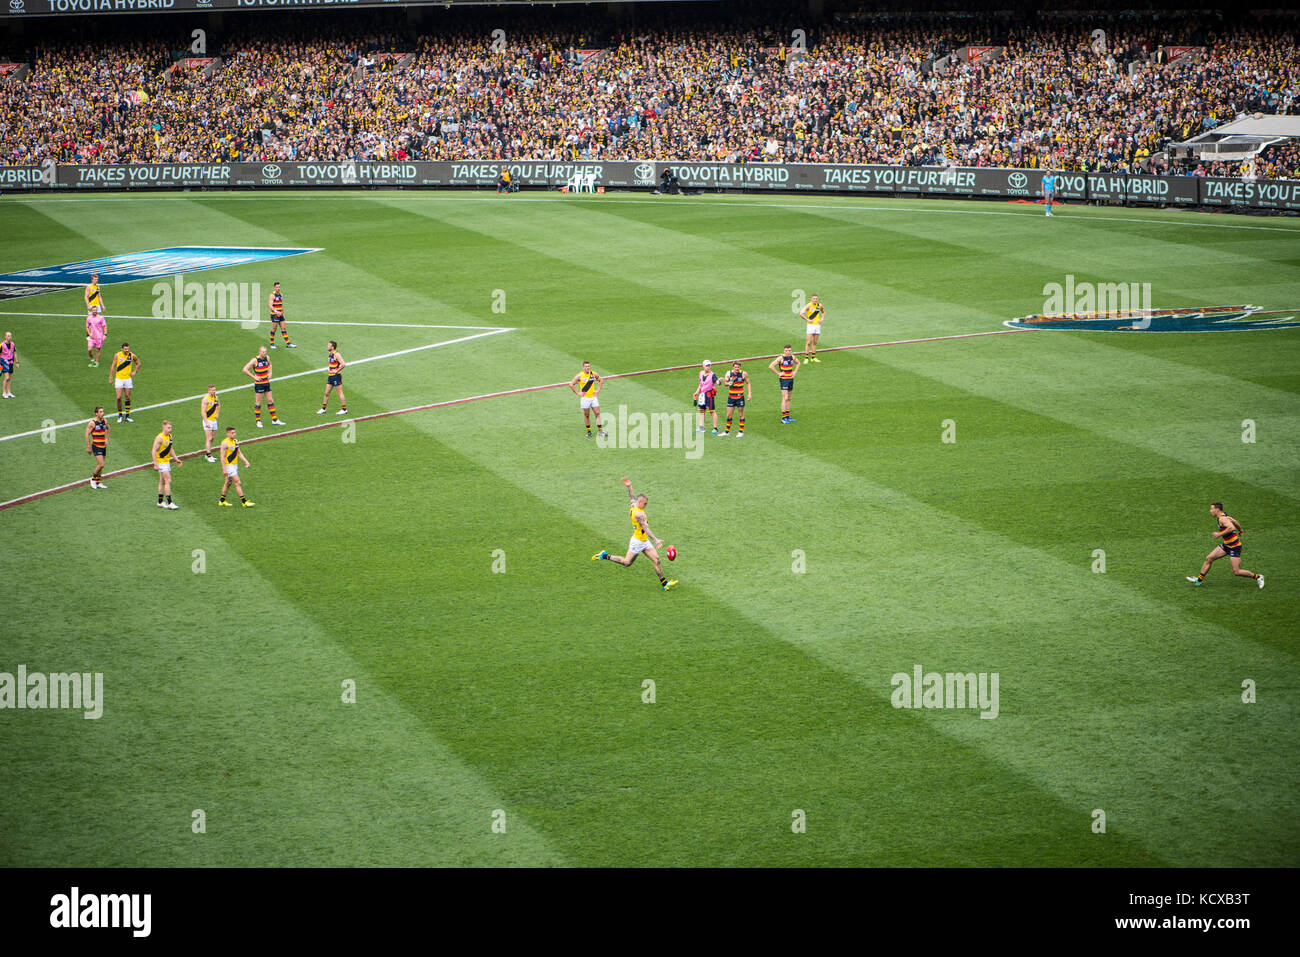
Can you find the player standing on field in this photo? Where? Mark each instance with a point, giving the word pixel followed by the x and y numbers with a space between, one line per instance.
pixel 258 369
pixel 738 391
pixel 230 459
pixel 1230 531
pixel 786 367
pixel 275 302
pixel 92 294
pixel 97 445
pixel 1049 189
pixel 705 395
pixel 334 380
pixel 641 537
pixel 164 455
pixel 586 385
pixel 813 314
pixel 96 330
pixel 209 410
pixel 122 379
pixel 8 363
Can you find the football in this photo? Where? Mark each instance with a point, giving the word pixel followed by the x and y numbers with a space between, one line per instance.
pixel 672 553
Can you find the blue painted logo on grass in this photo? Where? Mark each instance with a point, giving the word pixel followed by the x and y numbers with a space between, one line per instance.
pixel 1204 319
pixel 149 264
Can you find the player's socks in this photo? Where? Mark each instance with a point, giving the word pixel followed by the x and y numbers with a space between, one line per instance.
pixel 270 407
pixel 169 499
pixel 257 412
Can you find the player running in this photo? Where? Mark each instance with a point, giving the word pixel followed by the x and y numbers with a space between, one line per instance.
pixel 705 392
pixel 739 390
pixel 97 445
pixel 275 302
pixel 641 538
pixel 1049 189
pixel 258 369
pixel 122 379
pixel 813 314
pixel 164 454
pixel 8 363
pixel 96 330
pixel 586 385
pixel 786 367
pixel 209 410
pixel 231 456
pixel 1230 531
pixel 334 381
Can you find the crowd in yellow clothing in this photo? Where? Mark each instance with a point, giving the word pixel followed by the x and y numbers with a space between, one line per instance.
pixel 861 92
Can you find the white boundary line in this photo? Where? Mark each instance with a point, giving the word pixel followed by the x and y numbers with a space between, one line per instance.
pixel 239 388
pixel 485 195
pixel 259 322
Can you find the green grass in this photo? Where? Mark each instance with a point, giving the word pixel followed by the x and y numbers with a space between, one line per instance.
pixel 372 560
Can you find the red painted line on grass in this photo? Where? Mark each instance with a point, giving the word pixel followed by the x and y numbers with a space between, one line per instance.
pixel 487 395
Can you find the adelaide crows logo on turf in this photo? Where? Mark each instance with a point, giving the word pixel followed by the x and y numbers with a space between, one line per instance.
pixel 1194 319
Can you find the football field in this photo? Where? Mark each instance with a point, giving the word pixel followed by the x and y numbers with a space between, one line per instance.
pixel 403 654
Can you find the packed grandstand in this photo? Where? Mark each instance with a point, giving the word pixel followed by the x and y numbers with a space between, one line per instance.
pixel 722 82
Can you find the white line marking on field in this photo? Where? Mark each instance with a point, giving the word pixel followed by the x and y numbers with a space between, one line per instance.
pixel 297 322
pixel 486 196
pixel 239 388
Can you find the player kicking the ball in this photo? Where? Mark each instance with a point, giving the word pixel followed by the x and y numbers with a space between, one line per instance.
pixel 1230 530
pixel 641 538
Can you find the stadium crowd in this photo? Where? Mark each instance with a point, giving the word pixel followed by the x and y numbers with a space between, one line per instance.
pixel 869 88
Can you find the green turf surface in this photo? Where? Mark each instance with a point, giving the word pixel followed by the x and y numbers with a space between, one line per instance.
pixel 370 554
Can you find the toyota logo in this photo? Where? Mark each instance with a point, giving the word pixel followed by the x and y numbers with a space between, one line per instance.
pixel 15 6
pixel 271 172
pixel 1017 180
pixel 645 171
